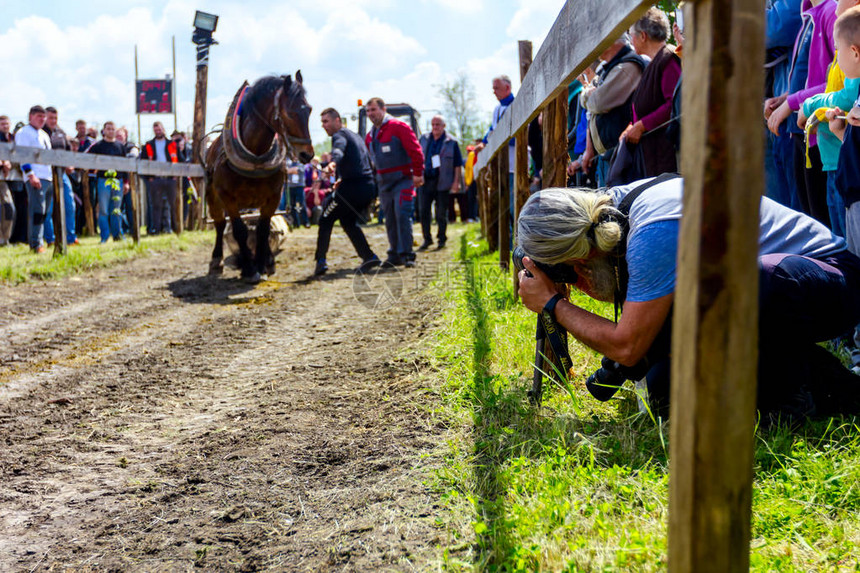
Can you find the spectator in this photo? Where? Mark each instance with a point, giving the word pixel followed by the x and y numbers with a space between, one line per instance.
pixel 81 143
pixel 652 101
pixel 127 205
pixel 40 191
pixel 813 53
pixel 607 98
pixel 59 140
pixel 293 200
pixel 782 21
pixel 111 186
pixel 82 139
pixel 8 208
pixel 504 93
pixel 470 178
pixel 442 168
pixel 809 291
pixel 161 191
pixel 399 170
pixel 354 191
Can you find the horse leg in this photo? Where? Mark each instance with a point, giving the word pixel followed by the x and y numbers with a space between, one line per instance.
pixel 246 259
pixel 216 265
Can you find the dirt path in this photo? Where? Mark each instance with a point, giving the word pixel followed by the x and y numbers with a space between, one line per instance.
pixel 153 419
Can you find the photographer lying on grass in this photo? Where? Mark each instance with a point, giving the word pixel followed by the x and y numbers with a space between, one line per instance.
pixel 809 292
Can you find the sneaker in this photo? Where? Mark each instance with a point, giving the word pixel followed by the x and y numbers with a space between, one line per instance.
pixel 425 245
pixel 39 250
pixel 409 264
pixel 368 264
pixel 75 242
pixel 321 268
pixel 393 262
pixel 441 245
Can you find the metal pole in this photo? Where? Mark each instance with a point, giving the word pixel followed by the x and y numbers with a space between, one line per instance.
pixel 135 97
pixel 175 90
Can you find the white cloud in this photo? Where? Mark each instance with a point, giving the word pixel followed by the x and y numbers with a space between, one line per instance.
pixel 459 6
pixel 533 20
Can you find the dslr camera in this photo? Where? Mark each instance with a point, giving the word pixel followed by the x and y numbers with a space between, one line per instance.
pixel 558 273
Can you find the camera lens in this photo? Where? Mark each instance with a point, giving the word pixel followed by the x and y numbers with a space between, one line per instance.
pixel 605 381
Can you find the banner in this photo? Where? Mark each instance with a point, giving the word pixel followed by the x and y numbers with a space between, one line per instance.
pixel 155 96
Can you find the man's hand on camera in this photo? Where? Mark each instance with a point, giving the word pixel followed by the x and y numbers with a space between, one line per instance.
pixel 535 290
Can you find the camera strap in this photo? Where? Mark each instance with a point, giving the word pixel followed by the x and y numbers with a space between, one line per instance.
pixel 619 256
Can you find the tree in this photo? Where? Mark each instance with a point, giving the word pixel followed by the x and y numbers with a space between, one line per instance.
pixel 458 98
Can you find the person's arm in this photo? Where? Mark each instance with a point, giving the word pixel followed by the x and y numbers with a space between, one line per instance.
pixel 782 23
pixel 413 149
pixel 626 342
pixel 668 83
pixel 837 126
pixel 338 147
pixel 615 89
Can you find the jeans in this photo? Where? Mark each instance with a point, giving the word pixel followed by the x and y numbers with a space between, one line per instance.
pixel 429 195
pixel 110 209
pixel 835 205
pixel 779 170
pixel 38 203
pixel 602 171
pixel 162 197
pixel 397 202
pixel 297 206
pixel 69 204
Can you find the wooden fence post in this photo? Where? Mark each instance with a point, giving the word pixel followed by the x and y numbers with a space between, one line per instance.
pixel 714 346
pixel 493 206
pixel 134 218
pixel 178 220
pixel 521 187
pixel 504 195
pixel 59 214
pixel 554 127
pixel 88 203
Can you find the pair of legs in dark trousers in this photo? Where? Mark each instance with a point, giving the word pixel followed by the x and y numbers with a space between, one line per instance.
pixel 802 301
pixel 162 196
pixel 349 201
pixel 429 195
pixel 811 183
pixel 461 200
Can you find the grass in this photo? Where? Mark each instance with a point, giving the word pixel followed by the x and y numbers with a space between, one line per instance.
pixel 18 264
pixel 579 485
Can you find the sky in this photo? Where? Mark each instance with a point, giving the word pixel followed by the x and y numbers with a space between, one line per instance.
pixel 78 55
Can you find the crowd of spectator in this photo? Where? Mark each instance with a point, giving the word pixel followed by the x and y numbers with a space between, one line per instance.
pixel 26 206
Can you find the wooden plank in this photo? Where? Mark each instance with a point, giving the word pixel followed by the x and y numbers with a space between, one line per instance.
pixel 492 206
pixel 59 213
pixel 504 198
pixel 61 158
pixel 714 350
pixel 582 31
pixel 525 50
pixel 88 203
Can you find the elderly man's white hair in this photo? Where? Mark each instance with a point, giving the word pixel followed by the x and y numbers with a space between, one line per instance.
pixel 503 78
pixel 559 224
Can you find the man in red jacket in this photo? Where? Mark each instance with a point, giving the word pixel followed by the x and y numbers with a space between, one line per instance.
pixel 399 165
pixel 161 190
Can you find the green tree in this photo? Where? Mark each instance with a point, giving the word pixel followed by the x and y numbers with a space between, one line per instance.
pixel 461 112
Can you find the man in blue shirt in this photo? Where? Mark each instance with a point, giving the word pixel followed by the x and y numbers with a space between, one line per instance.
pixel 809 291
pixel 443 164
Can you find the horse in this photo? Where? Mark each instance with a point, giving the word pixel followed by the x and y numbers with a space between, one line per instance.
pixel 245 165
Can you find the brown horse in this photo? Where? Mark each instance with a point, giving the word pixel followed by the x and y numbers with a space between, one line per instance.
pixel 267 122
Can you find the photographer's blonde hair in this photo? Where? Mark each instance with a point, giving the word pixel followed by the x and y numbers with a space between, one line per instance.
pixel 554 224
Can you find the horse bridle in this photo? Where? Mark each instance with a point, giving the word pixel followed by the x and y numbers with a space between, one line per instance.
pixel 290 139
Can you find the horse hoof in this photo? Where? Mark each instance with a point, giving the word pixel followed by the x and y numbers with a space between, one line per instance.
pixel 269 270
pixel 216 269
pixel 252 279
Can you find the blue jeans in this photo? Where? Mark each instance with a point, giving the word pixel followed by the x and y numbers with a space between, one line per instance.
pixel 398 204
pixel 38 203
pixel 779 170
pixel 69 204
pixel 297 205
pixel 110 210
pixel 602 171
pixel 835 205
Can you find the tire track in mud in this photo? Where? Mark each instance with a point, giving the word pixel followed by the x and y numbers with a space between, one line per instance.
pixel 201 422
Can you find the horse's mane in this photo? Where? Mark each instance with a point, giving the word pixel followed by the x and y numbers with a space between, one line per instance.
pixel 266 87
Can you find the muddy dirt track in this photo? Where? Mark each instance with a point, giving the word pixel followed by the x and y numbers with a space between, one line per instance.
pixel 154 419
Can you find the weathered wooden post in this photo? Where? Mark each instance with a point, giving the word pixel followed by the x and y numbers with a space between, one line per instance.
pixel 134 219
pixel 492 210
pixel 88 203
pixel 555 142
pixel 521 163
pixel 716 307
pixel 504 197
pixel 59 214
pixel 179 223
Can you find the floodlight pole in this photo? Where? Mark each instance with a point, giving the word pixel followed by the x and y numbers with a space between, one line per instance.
pixel 203 45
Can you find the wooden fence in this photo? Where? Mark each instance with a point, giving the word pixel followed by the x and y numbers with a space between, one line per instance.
pixel 714 350
pixel 59 159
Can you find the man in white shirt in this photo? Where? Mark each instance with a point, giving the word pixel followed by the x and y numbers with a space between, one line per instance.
pixel 40 189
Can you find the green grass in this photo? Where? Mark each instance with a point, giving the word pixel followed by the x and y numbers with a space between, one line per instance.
pixel 580 485
pixel 18 264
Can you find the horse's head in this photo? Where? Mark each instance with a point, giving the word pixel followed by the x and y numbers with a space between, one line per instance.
pixel 295 111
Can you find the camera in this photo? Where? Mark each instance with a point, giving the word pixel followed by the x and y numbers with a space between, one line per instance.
pixel 608 379
pixel 558 273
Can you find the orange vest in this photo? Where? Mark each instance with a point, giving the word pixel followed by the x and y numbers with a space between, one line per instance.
pixel 172 153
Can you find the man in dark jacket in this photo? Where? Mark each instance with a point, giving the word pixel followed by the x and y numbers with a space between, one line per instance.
pixel 161 191
pixel 354 190
pixel 443 163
